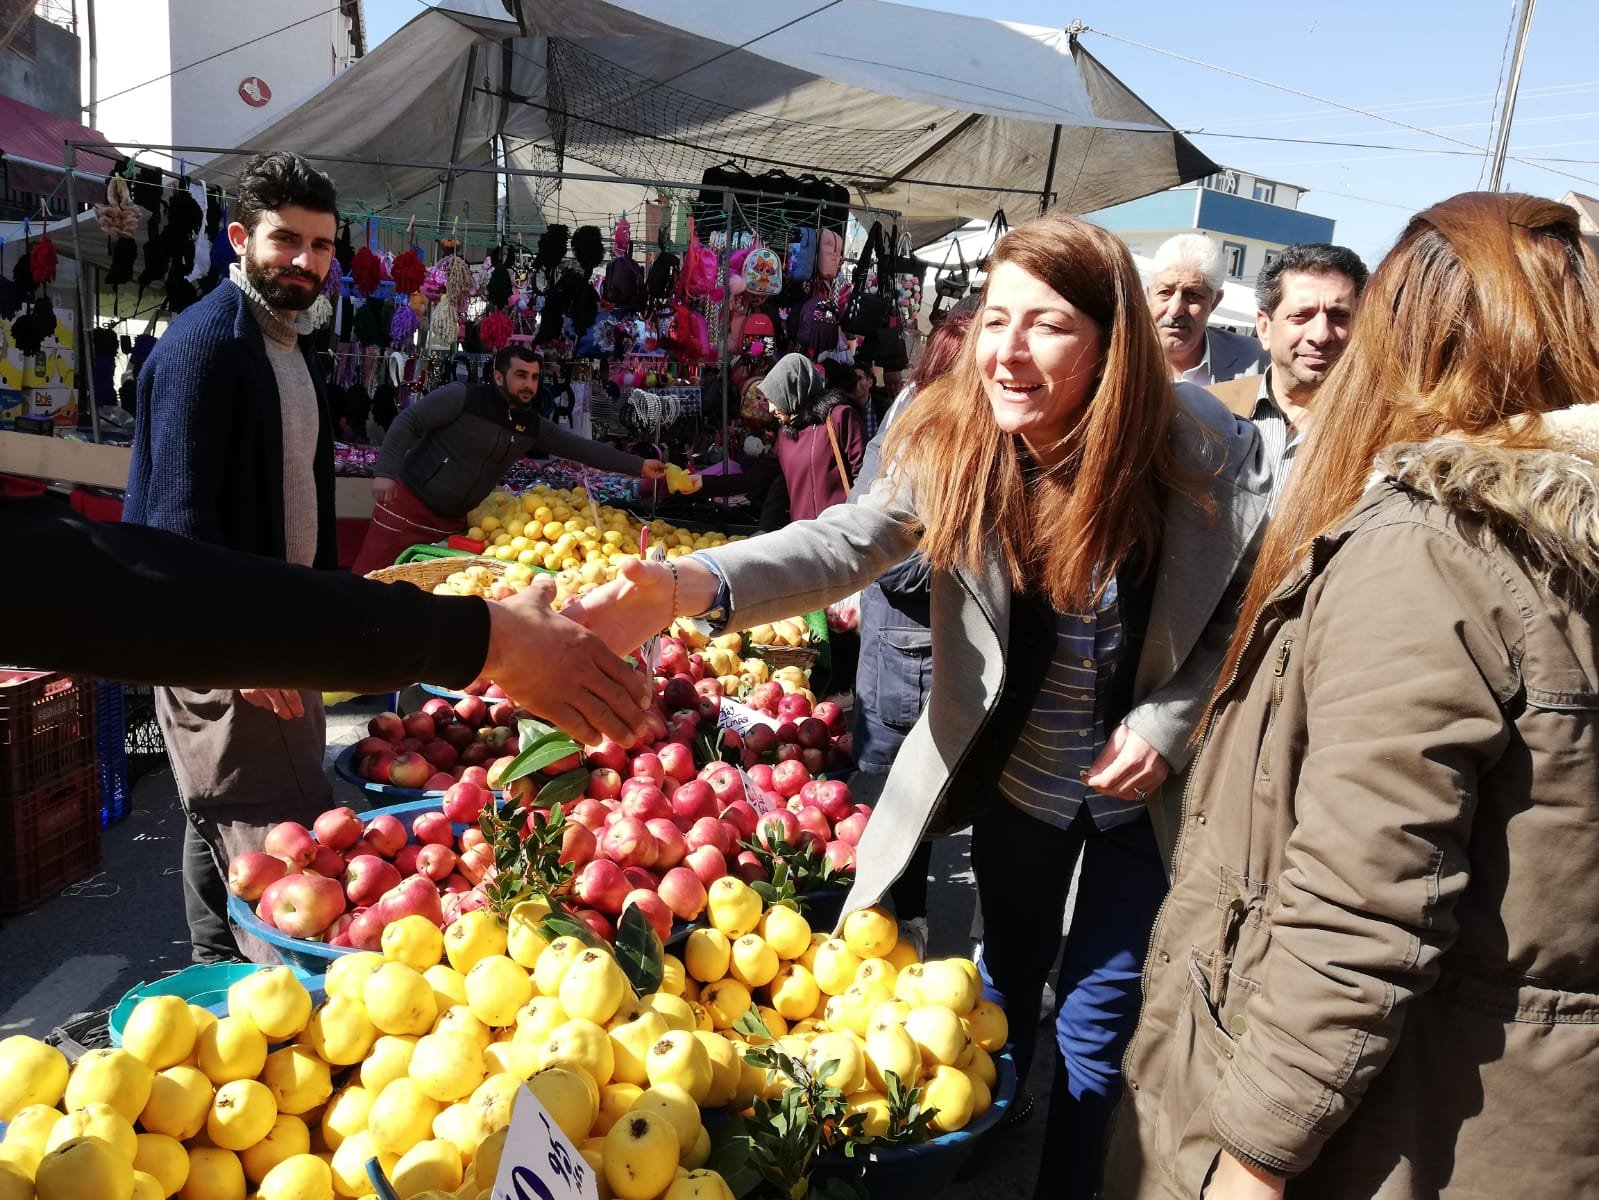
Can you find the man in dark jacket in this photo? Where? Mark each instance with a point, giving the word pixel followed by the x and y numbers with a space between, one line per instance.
pixel 234 446
pixel 444 454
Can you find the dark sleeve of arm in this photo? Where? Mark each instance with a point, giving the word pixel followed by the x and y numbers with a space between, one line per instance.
pixel 852 439
pixel 563 443
pixel 432 411
pixel 194 615
pixel 190 423
pixel 774 508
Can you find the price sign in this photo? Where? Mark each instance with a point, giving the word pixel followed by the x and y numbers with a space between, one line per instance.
pixel 539 1162
pixel 741 718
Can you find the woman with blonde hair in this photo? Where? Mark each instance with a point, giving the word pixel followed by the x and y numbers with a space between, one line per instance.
pixel 1377 974
pixel 1089 529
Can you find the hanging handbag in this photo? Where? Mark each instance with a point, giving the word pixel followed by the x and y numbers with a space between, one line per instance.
pixel 999 227
pixel 952 285
pixel 897 258
pixel 867 311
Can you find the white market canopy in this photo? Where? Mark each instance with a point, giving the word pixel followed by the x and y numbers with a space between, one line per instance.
pixel 940 117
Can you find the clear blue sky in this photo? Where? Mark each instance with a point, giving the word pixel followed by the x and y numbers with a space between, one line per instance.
pixel 1426 63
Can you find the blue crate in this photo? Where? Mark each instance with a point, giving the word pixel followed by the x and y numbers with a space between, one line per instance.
pixel 116 797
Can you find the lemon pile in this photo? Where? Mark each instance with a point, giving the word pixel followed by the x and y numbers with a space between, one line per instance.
pixel 861 999
pixel 416 1061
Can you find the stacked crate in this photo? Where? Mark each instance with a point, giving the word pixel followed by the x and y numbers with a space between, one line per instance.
pixel 50 786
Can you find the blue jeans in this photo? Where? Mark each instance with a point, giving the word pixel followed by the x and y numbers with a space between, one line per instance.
pixel 1023 868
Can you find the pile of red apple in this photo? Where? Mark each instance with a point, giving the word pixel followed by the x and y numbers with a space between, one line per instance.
pixel 343 880
pixel 431 749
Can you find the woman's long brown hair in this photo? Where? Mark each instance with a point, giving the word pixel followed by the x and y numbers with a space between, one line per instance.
pixel 1486 309
pixel 1065 537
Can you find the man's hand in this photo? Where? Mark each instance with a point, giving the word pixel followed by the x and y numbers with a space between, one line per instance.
pixel 383 490
pixel 654 468
pixel 1234 1180
pixel 560 671
pixel 286 704
pixel 1128 768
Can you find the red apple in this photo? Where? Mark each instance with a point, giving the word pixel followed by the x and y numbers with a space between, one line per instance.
pixel 793 707
pixel 562 766
pixel 497 770
pixel 250 873
pixel 815 761
pixel 436 861
pixel 464 803
pixel 503 713
pixel 653 908
pixel 366 930
pixel 832 715
pixel 788 778
pixel 440 709
pixel 412 745
pixel 789 752
pixel 439 781
pixel 328 863
pixel 812 733
pixel 683 893
pixel 596 922
pixel 761 775
pixel 477 687
pixel 578 844
pixel 368 746
pixel 405 858
pixel 460 737
pixel 670 846
pixel 590 813
pixel 475 863
pixel 724 780
pixel 839 855
pixel 778 830
pixel 472 838
pixel 409 770
pixel 367 878
pixel 471 711
pixel 385 832
pixel 493 692
pixel 339 828
pixel 707 831
pixel 654 730
pixel 454 883
pixel 679 693
pixel 607 755
pixel 764 696
pixel 707 862
pixel 813 821
pixel 741 815
pixel 747 866
pixel 441 754
pixel 671 656
pixel 646 803
pixel 604 784
pixel 835 759
pixel 833 798
pixel 360 848
pixel 708 707
pixel 415 896
pixel 377 768
pixel 694 800
pixel 475 774
pixel 420 726
pixel 292 842
pixel 677 761
pixel 761 739
pixel 850 829
pixel 601 885
pixel 304 905
pixel 639 877
pixel 648 766
pixel 629 843
pixel 711 689
pixel 386 725
pixel 433 829
pixel 338 933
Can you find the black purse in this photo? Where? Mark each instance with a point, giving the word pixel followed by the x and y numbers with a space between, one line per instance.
pixel 867 311
pixel 999 227
pixel 953 284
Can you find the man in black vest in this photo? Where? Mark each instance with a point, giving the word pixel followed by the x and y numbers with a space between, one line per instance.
pixel 444 454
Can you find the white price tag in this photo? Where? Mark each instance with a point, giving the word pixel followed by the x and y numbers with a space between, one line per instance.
pixel 539 1161
pixel 741 718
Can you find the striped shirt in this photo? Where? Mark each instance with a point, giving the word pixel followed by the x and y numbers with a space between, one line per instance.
pixel 1065 731
pixel 1279 438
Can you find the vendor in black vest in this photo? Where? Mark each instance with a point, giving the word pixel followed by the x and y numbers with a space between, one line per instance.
pixel 444 454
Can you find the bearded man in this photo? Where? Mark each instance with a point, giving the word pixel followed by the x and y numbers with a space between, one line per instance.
pixel 234 446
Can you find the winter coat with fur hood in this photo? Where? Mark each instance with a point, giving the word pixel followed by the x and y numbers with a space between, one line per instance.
pixel 1378 968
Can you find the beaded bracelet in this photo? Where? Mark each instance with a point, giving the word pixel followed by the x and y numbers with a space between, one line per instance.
pixel 672 567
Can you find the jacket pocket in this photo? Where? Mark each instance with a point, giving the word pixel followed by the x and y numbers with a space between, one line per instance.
pixel 1279 671
pixel 905 674
pixel 1200 1052
pixel 1239 948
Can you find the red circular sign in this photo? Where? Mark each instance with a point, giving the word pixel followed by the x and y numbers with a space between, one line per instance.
pixel 253 91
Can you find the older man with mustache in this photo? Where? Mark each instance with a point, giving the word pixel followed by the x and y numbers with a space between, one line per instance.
pixel 1185 290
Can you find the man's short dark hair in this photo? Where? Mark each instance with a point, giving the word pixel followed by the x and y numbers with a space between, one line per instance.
pixel 276 180
pixel 1307 258
pixel 504 355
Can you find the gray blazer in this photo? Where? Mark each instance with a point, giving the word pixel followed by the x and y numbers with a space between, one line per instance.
pixel 1203 569
pixel 1234 354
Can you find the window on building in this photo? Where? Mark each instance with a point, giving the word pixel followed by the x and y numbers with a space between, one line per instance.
pixel 1223 181
pixel 1272 256
pixel 1233 255
pixel 1265 192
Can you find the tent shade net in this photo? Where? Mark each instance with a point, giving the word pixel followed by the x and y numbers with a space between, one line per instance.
pixel 940 117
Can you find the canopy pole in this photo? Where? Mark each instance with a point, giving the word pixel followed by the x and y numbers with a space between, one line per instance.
pixel 85 366
pixel 460 131
pixel 1049 173
pixel 722 353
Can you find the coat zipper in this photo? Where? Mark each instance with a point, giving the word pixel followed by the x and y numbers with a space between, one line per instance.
pixel 1279 668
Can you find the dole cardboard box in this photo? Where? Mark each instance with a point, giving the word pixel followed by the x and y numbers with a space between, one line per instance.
pixel 60 404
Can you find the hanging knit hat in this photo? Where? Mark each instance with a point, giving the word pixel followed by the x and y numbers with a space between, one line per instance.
pixel 433 283
pixel 495 332
pixel 407 272
pixel 403 325
pixel 124 256
pixel 118 216
pixel 370 329
pixel 333 285
pixel 366 272
pixel 588 247
pixel 320 312
pixel 498 289
pixel 622 236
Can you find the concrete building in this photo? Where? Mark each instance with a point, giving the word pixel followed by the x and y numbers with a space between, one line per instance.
pixel 1251 216
pixel 39 63
pixel 208 72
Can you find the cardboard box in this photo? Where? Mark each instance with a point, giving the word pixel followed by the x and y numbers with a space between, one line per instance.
pixel 58 403
pixel 11 407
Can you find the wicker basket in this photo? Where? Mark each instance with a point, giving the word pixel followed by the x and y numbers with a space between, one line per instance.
pixel 427 573
pixel 784 656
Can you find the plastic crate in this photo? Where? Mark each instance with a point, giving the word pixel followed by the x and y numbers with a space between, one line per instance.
pixel 50 838
pixel 46 727
pixel 116 796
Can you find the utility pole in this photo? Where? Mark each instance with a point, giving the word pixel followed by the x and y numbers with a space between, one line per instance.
pixel 1502 140
pixel 94 64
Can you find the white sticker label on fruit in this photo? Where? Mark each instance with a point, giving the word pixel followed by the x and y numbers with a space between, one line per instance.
pixel 539 1162
pixel 741 717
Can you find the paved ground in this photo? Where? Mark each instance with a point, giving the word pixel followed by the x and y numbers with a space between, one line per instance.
pixel 81 951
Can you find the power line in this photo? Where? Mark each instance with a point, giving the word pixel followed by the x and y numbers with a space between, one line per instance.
pixel 1260 137
pixel 1504 55
pixel 210 57
pixel 1350 108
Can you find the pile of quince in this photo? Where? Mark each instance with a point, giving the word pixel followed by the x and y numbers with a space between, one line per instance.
pixel 790 632
pixel 724 661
